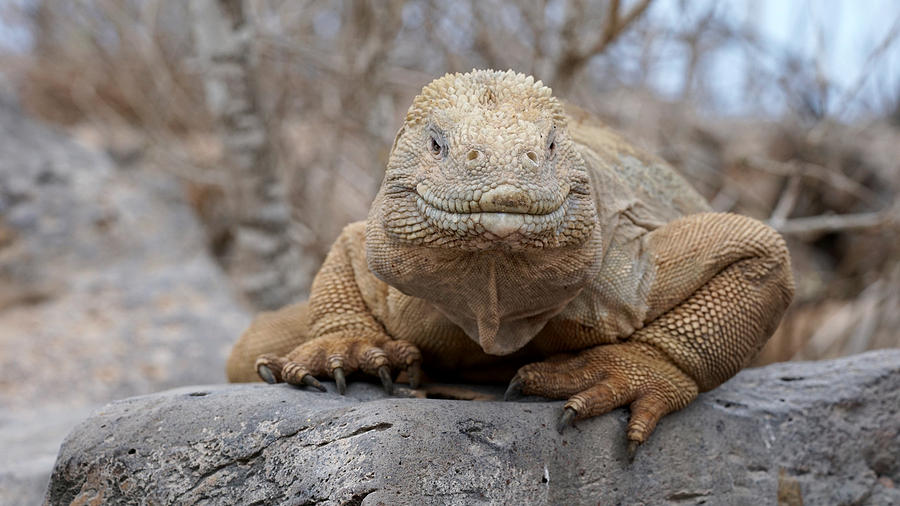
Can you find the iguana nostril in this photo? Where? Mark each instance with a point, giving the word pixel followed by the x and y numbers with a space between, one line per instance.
pixel 531 155
pixel 473 154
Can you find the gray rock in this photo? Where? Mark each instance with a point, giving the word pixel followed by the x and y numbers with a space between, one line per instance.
pixel 823 432
pixel 106 291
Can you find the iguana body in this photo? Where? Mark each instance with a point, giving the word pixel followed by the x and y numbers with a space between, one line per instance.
pixel 513 234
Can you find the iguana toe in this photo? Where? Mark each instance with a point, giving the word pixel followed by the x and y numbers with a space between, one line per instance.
pixel 565 420
pixel 339 356
pixel 269 368
pixel 405 355
pixel 274 369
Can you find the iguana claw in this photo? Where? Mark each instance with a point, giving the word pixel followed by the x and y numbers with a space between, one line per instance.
pixel 632 449
pixel 339 380
pixel 514 390
pixel 414 372
pixel 565 420
pixel 266 374
pixel 309 380
pixel 384 374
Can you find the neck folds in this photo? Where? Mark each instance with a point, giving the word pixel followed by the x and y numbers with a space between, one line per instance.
pixel 500 299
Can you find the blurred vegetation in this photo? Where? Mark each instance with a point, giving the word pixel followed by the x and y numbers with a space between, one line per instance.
pixel 309 95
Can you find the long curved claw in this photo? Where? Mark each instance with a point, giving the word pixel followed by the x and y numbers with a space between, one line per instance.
pixel 384 374
pixel 632 449
pixel 339 380
pixel 266 374
pixel 514 390
pixel 309 380
pixel 414 372
pixel 565 420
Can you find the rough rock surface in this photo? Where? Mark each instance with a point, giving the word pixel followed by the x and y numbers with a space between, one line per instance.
pixel 818 432
pixel 106 291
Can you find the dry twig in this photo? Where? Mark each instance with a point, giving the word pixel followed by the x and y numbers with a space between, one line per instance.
pixel 824 224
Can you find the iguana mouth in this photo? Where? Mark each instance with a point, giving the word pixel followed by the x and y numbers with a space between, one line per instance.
pixel 501 214
pixel 503 198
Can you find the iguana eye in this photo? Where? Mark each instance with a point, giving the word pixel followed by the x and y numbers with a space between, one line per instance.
pixel 551 146
pixel 436 148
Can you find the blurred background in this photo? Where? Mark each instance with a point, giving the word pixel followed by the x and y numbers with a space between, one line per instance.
pixel 276 117
pixel 168 168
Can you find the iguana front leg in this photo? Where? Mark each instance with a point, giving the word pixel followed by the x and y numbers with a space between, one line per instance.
pixel 720 285
pixel 344 335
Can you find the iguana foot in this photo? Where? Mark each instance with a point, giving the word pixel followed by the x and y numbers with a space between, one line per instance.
pixel 606 377
pixel 336 357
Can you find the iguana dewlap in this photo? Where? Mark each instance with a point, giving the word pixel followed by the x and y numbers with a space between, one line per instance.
pixel 513 232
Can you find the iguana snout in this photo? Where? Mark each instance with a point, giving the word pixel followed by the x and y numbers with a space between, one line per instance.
pixel 504 207
pixel 505 198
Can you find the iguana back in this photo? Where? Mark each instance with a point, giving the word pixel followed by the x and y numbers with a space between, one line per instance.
pixel 629 176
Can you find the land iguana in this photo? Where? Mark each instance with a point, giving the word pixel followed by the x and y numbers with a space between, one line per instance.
pixel 515 234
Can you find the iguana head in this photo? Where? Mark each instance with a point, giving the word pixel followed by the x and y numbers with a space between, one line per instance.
pixel 484 162
pixel 486 208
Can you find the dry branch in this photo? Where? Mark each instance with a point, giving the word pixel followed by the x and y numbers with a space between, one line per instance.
pixel 786 202
pixel 835 223
pixel 572 61
pixel 831 177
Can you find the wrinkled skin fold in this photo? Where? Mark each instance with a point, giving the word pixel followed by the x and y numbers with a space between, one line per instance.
pixel 516 238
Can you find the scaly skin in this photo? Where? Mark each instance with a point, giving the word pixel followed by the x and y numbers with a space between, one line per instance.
pixel 511 233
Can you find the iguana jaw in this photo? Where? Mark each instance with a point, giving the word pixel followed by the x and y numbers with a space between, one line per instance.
pixel 408 218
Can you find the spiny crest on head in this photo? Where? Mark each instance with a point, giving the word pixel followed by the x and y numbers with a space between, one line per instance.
pixel 488 98
pixel 485 89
